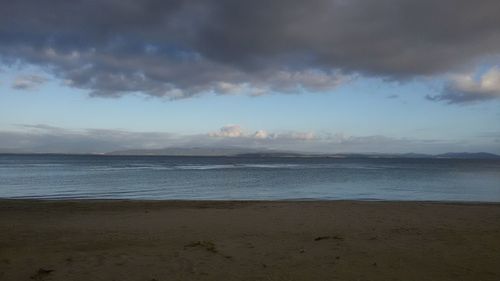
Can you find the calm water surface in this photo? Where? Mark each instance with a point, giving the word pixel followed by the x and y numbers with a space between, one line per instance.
pixel 218 178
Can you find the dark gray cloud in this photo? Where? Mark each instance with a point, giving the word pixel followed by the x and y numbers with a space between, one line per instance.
pixel 181 48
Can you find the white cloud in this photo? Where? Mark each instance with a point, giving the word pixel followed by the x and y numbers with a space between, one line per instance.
pixel 229 131
pixel 300 136
pixel 260 134
pixel 236 131
pixel 468 87
pixel 488 84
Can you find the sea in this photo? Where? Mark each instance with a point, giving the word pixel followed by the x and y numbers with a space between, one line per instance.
pixel 64 177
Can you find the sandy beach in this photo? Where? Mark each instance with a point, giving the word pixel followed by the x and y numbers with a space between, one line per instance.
pixel 165 240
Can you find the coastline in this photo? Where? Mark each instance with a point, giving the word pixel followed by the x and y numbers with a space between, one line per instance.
pixel 248 240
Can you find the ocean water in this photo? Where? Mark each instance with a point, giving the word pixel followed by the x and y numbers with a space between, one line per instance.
pixel 247 178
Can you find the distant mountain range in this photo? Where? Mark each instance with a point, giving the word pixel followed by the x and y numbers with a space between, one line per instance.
pixel 462 155
pixel 191 151
pixel 249 152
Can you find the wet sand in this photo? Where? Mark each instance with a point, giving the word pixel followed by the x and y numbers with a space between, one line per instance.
pixel 165 240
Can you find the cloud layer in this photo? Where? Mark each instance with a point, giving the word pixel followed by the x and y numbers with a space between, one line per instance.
pixel 49 139
pixel 183 48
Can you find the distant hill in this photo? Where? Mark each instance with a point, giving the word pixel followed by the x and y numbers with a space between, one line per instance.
pixel 191 151
pixel 465 155
pixel 277 154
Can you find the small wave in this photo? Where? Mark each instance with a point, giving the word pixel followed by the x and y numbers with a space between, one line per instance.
pixel 30 165
pixel 275 166
pixel 204 167
pixel 126 168
pixel 240 166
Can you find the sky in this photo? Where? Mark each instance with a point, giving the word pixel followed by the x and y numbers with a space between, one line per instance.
pixel 323 76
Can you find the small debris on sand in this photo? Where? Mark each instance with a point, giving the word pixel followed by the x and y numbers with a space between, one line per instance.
pixel 41 274
pixel 207 245
pixel 321 238
pixel 336 237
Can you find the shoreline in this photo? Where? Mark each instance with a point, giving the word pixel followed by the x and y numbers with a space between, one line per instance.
pixel 158 240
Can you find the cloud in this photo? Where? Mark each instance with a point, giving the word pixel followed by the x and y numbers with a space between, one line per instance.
pixel 235 131
pixel 303 136
pixel 229 131
pixel 467 88
pixel 184 48
pixel 42 128
pixel 28 82
pixel 50 139
pixel 260 134
pixel 495 136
